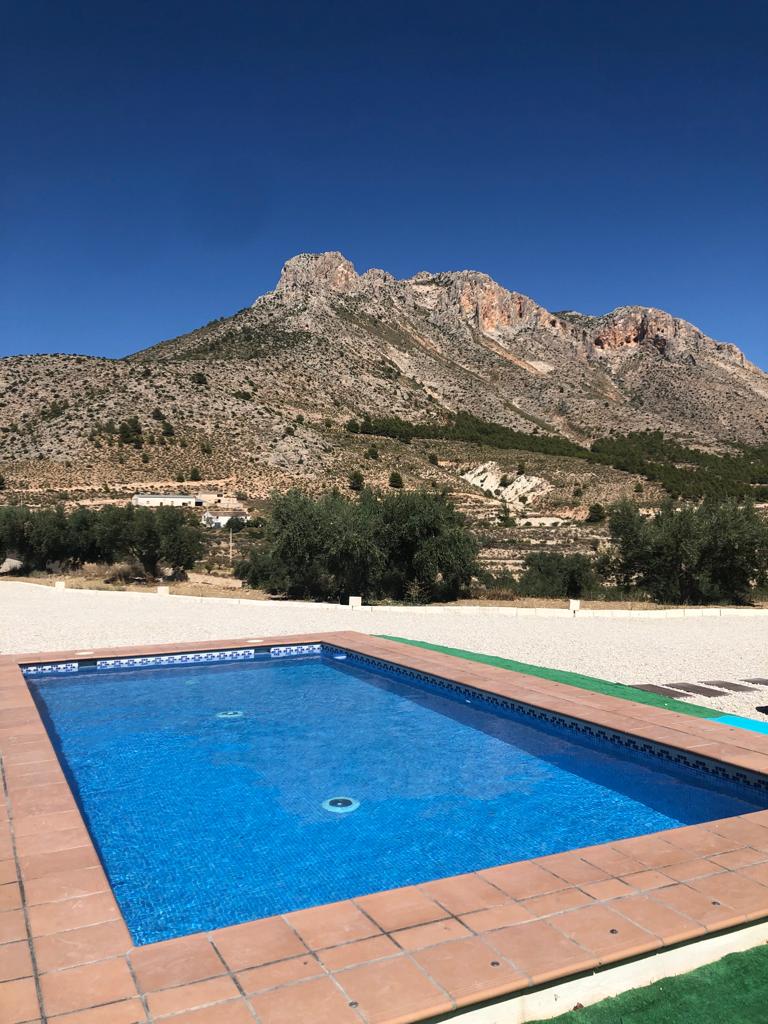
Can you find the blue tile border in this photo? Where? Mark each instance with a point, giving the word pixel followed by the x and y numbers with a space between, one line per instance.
pixel 293 650
pixel 54 668
pixel 190 658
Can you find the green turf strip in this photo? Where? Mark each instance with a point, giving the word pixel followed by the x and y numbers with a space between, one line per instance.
pixel 732 991
pixel 572 679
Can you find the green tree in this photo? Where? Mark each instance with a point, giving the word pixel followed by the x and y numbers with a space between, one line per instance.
pixel 596 514
pixel 374 546
pixel 180 536
pixel 694 554
pixel 111 532
pixel 395 480
pixel 356 480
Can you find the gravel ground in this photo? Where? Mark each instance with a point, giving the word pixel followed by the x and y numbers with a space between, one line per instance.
pixel 622 649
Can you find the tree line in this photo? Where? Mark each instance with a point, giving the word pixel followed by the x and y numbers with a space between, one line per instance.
pixel 414 546
pixel 712 553
pixel 169 538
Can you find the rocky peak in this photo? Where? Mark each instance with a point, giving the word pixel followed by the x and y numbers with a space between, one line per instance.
pixel 315 274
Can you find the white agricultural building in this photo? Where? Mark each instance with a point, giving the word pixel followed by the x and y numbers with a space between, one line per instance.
pixel 160 500
pixel 220 520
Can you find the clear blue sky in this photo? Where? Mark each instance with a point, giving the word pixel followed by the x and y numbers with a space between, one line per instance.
pixel 161 160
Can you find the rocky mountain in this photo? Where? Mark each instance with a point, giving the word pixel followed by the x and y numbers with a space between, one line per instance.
pixel 260 398
pixel 460 340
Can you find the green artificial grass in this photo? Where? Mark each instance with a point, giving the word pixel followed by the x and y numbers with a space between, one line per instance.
pixel 572 679
pixel 732 991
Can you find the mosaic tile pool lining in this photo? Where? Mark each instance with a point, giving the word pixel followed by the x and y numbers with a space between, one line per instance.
pixel 430 947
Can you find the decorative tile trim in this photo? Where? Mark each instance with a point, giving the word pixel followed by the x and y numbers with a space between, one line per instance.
pixel 190 658
pixel 55 668
pixel 143 661
pixel 291 650
pixel 599 735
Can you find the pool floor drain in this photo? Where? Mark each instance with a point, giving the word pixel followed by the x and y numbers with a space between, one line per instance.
pixel 340 804
pixel 229 714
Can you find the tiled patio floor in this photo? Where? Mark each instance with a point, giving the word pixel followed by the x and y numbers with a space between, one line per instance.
pixel 406 955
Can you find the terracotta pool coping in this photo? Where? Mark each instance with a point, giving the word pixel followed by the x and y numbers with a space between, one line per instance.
pixel 394 957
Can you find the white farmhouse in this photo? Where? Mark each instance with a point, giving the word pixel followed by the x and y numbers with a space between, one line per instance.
pixel 161 500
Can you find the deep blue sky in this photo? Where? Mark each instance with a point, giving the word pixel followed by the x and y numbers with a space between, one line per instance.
pixel 161 160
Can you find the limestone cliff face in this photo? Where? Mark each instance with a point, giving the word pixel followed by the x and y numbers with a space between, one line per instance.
pixel 468 302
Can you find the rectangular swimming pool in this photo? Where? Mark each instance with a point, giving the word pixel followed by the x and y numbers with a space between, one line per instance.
pixel 219 793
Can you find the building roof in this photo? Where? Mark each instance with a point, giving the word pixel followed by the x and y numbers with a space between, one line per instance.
pixel 189 497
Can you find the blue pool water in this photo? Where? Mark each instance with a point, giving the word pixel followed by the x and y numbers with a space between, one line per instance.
pixel 203 787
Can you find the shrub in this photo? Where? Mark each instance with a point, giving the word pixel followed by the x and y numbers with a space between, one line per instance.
pixel 356 480
pixel 130 432
pixel 433 459
pixel 198 378
pixel 194 474
pixel 395 480
pixel 548 574
pixel 596 514
pixel 372 452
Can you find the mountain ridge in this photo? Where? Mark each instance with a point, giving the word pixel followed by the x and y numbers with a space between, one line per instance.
pixel 263 395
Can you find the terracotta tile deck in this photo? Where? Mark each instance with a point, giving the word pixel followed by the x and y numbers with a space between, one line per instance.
pixel 388 958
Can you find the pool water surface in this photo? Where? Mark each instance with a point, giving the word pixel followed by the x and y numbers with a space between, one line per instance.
pixel 209 791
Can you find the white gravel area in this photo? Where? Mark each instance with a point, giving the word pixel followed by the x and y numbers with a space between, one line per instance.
pixel 620 648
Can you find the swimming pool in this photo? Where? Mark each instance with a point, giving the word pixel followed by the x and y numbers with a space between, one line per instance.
pixel 206 787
